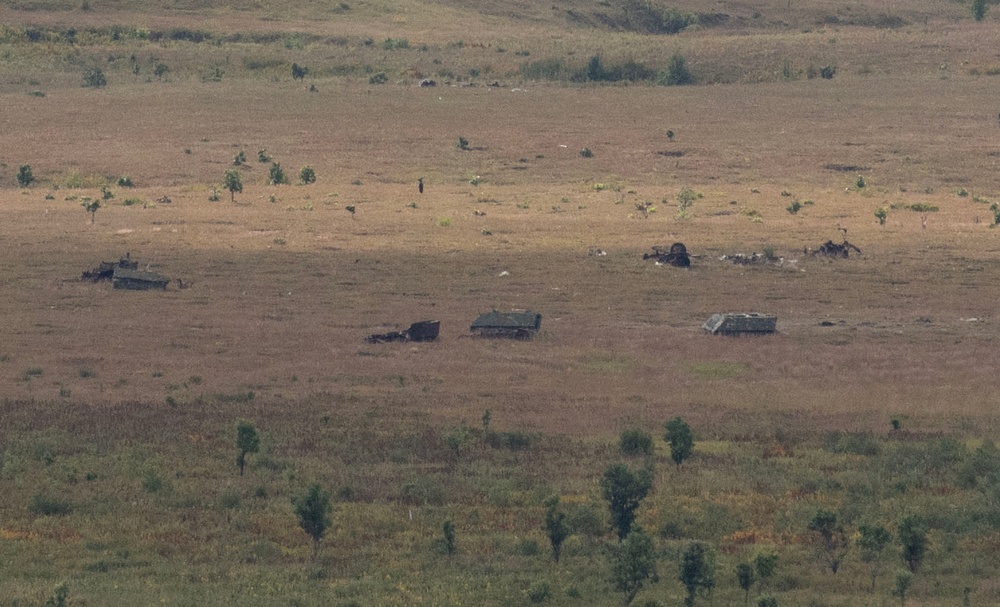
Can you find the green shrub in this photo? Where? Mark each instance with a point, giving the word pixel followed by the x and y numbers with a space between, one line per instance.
pixel 94 78
pixel 528 547
pixel 794 207
pixel 586 153
pixel 307 175
pixel 539 592
pixel 378 78
pixel 881 214
pixel 463 143
pixel 677 72
pixel 857 443
pixel 635 442
pixel 514 441
pixel 151 482
pixel 24 176
pixel 44 504
pixel 650 18
pixel 276 175
pixel 125 182
pixel 230 499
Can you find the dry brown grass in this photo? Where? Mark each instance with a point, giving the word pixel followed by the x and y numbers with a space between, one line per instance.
pixel 259 312
pixel 283 285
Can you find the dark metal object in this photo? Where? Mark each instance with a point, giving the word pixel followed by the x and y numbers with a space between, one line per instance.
pixel 752 323
pixel 425 330
pixel 676 255
pixel 517 324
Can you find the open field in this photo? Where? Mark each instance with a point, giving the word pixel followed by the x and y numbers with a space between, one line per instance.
pixel 119 408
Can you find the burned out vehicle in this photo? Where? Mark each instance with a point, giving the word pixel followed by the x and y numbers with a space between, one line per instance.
pixel 105 270
pixel 424 330
pixel 517 324
pixel 732 323
pixel 676 255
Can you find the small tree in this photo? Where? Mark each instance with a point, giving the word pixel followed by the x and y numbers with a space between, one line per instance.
pixel 463 143
pixel 624 490
pixel 312 509
pixel 633 565
pixel 913 537
pixel 91 207
pixel 276 175
pixel 449 536
pixel 247 441
pixel 681 440
pixel 979 8
pixel 745 576
pixel 307 175
pixel 24 176
pixel 903 581
pixel 233 182
pixel 555 526
pixel 872 542
pixel 766 565
pixel 696 572
pixel 299 72
pixel 832 542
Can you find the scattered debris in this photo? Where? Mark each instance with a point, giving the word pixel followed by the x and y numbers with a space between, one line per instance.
pixel 754 259
pixel 751 323
pixel 832 249
pixel 138 280
pixel 425 330
pixel 597 253
pixel 676 255
pixel 518 324
pixel 164 200
pixel 106 269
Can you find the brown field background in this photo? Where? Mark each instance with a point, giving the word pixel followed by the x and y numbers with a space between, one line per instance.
pixel 282 285
pixel 258 313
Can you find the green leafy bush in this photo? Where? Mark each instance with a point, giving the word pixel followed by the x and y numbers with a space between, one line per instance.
pixel 635 442
pixel 44 504
pixel 24 176
pixel 276 175
pixel 677 72
pixel 94 78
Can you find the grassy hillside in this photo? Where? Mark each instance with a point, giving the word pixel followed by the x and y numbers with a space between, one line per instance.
pixel 555 132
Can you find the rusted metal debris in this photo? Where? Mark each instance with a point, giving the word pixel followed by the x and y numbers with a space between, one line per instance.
pixel 425 330
pixel 676 255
